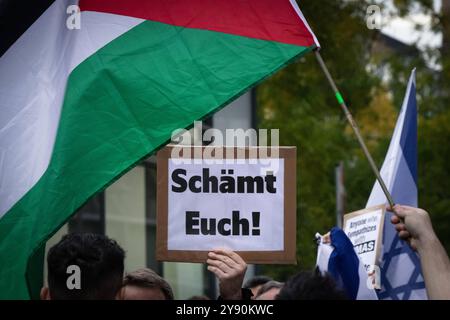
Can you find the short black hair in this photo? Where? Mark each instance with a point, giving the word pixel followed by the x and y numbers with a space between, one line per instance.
pixel 256 281
pixel 101 263
pixel 311 285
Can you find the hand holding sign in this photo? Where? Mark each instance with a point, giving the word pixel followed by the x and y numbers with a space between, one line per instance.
pixel 230 269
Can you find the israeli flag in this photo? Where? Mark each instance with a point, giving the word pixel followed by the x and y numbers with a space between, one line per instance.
pixel 339 259
pixel 401 276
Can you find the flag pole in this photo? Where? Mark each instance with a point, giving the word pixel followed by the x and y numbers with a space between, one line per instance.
pixel 352 122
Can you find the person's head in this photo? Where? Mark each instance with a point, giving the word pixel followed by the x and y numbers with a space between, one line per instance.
pixel 145 284
pixel 311 285
pixel 84 266
pixel 199 298
pixel 269 290
pixel 255 283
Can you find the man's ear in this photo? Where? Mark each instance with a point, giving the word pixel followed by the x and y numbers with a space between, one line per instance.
pixel 45 294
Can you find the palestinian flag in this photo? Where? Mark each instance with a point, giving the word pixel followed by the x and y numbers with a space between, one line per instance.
pixel 80 107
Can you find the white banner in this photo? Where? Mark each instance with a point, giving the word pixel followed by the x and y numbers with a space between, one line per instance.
pixel 225 205
pixel 364 229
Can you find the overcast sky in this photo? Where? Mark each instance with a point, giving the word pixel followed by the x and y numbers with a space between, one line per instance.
pixel 403 29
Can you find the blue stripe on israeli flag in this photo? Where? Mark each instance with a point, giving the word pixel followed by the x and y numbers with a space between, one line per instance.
pixel 401 276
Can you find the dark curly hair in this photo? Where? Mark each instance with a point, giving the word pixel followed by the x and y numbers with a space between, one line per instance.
pixel 100 261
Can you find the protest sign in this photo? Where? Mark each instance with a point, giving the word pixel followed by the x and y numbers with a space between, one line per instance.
pixel 242 199
pixel 364 228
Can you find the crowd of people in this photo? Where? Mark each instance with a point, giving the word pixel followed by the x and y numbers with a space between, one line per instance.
pixel 101 261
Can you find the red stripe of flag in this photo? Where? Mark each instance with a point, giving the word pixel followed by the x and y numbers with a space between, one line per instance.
pixel 272 20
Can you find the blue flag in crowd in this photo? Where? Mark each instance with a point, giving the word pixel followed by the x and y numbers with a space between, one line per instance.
pixel 401 276
pixel 340 260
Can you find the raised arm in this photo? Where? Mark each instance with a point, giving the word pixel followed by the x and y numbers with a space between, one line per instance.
pixel 414 226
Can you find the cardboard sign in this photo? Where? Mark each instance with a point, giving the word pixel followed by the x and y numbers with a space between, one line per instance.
pixel 241 203
pixel 365 229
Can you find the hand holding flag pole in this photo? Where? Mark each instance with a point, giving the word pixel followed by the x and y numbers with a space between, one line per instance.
pixel 352 122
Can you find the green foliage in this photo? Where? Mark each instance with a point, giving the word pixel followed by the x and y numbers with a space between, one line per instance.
pixel 434 172
pixel 299 102
pixel 433 95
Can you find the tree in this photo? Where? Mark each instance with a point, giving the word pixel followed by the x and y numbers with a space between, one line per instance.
pixel 433 87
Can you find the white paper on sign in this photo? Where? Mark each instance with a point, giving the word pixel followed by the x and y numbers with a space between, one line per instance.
pixel 363 230
pixel 227 220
